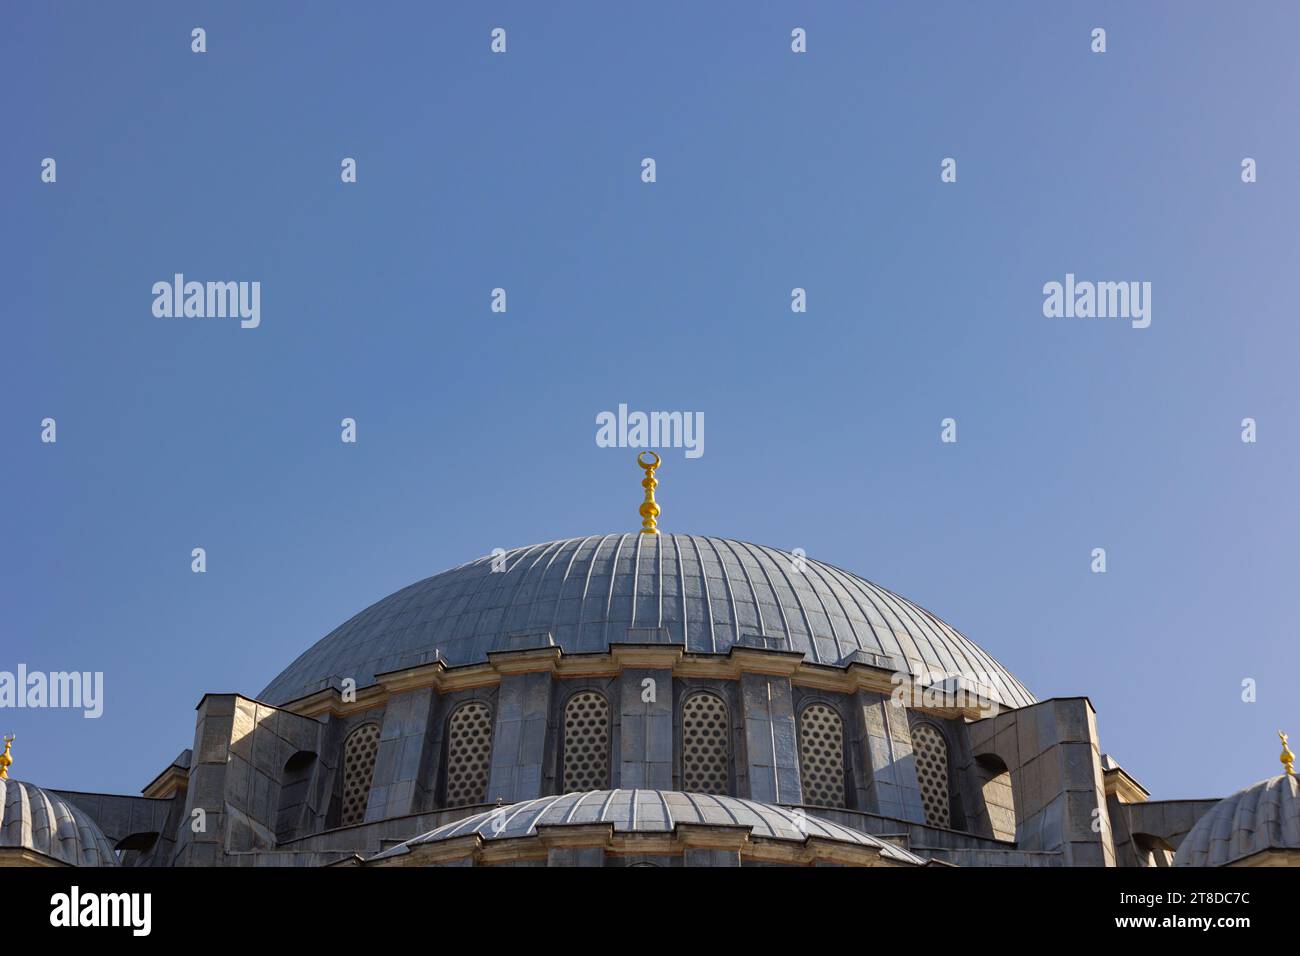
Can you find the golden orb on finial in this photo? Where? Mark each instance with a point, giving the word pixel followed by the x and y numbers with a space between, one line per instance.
pixel 6 761
pixel 1287 758
pixel 649 509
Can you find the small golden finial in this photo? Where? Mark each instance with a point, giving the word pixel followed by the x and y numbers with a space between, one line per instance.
pixel 649 510
pixel 5 760
pixel 1287 758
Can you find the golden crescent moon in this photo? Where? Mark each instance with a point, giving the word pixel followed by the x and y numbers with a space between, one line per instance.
pixel 647 464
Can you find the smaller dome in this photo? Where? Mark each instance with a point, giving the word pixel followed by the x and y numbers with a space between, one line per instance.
pixel 38 821
pixel 1263 817
pixel 651 811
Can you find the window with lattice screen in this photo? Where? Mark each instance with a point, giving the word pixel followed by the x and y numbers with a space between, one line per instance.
pixel 586 742
pixel 706 750
pixel 469 754
pixel 821 755
pixel 931 752
pixel 359 752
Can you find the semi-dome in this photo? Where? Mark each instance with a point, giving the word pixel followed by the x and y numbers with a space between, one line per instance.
pixel 1248 827
pixel 45 828
pixel 651 812
pixel 584 594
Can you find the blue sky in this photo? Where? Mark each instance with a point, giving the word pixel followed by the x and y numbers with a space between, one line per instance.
pixel 476 430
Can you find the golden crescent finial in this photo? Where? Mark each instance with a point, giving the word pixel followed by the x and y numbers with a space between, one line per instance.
pixel 1287 758
pixel 5 760
pixel 649 509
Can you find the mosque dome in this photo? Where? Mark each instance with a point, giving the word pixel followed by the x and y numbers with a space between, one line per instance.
pixel 1255 826
pixel 648 813
pixel 40 827
pixel 585 594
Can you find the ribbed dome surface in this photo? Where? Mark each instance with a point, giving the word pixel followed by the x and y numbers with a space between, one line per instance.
pixel 44 822
pixel 588 593
pixel 1265 816
pixel 651 811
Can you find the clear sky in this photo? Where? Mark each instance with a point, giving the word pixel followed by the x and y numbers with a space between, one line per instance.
pixel 477 430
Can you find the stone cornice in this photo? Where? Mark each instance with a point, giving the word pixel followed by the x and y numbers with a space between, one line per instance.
pixel 16 856
pixel 739 660
pixel 1123 787
pixel 168 782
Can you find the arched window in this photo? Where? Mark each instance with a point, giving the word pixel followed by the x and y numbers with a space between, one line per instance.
pixel 1153 850
pixel 295 780
pixel 999 801
pixel 130 850
pixel 359 752
pixel 586 742
pixel 469 754
pixel 932 773
pixel 706 745
pixel 821 755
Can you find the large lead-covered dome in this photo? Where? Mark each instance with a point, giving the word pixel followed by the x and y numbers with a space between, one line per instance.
pixel 585 594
